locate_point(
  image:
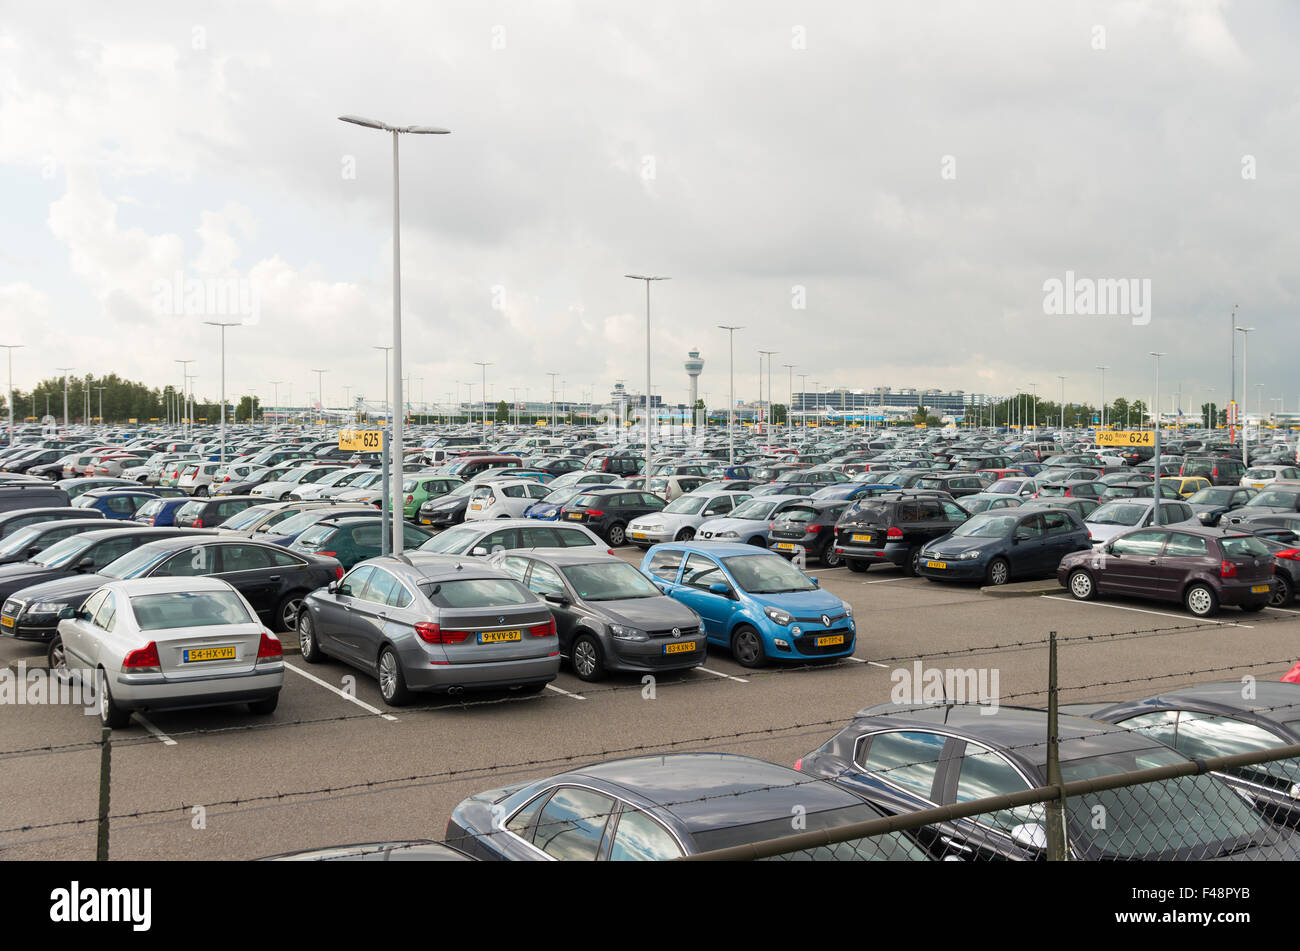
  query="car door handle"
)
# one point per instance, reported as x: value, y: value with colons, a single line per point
x: 1151, y: 561
x: 273, y: 578
x: 953, y: 843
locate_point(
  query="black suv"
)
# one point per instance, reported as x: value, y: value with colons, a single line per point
x: 809, y: 529
x: 1220, y: 470
x: 607, y: 511
x: 955, y: 484
x: 893, y: 528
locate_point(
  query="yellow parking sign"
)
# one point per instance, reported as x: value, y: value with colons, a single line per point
x: 361, y: 440
x: 1132, y: 437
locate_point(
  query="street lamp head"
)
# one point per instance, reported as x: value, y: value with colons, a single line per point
x: 646, y: 277
x: 361, y: 120
x: 409, y: 129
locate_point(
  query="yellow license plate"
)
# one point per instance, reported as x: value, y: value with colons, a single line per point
x: 936, y: 564
x: 830, y: 640
x: 785, y: 546
x: 576, y: 516
x: 861, y: 538
x: 6, y: 621
x: 426, y: 521
x: 683, y: 648
x: 207, y: 653
x: 498, y: 637
x: 638, y: 534
x: 1259, y: 589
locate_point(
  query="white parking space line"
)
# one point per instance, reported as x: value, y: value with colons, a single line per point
x: 344, y: 694
x: 856, y: 660
x: 718, y: 673
x: 158, y: 734
x: 875, y: 664
x: 1121, y: 607
x: 1284, y: 610
x: 575, y: 696
x: 887, y: 580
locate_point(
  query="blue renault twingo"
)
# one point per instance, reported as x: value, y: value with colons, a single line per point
x: 753, y: 601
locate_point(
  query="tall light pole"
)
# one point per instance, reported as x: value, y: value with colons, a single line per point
x: 397, y: 306
x: 1245, y: 446
x: 100, y: 390
x: 1034, y: 388
x: 731, y: 399
x: 66, y: 371
x: 552, y: 375
x: 1232, y: 385
x: 767, y: 417
x: 1102, y: 409
x: 803, y: 400
x: 648, y: 398
x: 514, y: 398
x: 11, y: 347
x: 1156, y: 419
x: 223, y: 325
x: 320, y: 388
x: 789, y: 367
x: 1062, y: 379
x: 484, y: 367
x: 385, y: 503
x: 185, y: 369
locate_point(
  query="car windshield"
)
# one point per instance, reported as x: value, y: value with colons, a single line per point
x: 986, y: 525
x: 477, y: 593
x: 609, y: 581
x: 184, y: 609
x: 1147, y: 821
x: 755, y: 509
x: 23, y: 538
x: 1277, y: 497
x: 1119, y: 513
x: 767, y: 574
x: 1005, y: 486
x: 453, y: 541
x: 685, y: 505
x: 461, y: 491
x: 62, y: 552
x: 1213, y: 496
x: 134, y: 563
x: 895, y: 846
x: 245, y: 518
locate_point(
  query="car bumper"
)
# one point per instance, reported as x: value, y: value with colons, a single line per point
x: 893, y: 553
x: 421, y: 675
x: 641, y: 656
x: 437, y: 519
x: 645, y: 537
x: 781, y: 643
x: 156, y: 692
x: 953, y: 570
x: 1235, y: 595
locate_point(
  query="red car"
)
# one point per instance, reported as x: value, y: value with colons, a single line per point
x: 1292, y: 675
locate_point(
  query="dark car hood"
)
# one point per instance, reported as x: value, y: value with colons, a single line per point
x: 64, y: 589
x: 648, y: 614
x: 18, y: 576
x: 953, y: 545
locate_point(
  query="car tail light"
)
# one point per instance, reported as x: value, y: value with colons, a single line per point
x: 198, y: 522
x: 798, y: 764
x: 226, y: 479
x: 431, y: 633
x: 329, y: 554
x: 1228, y: 569
x: 894, y: 532
x: 595, y: 513
x: 543, y: 630
x: 1214, y: 473
x: 143, y: 661
x: 771, y: 526
x: 410, y: 498
x: 814, y: 528
x: 1291, y: 554
x: 270, y: 647
x: 338, y: 573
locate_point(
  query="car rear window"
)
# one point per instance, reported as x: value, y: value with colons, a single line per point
x: 477, y: 593
x: 165, y: 612
x: 1243, y: 546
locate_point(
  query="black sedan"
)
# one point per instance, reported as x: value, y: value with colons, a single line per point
x: 447, y: 509
x: 11, y: 522
x: 608, y: 615
x: 907, y: 758
x: 657, y: 808
x: 995, y: 547
x: 1211, y: 720
x: 274, y: 580
x: 809, y: 531
x: 26, y: 543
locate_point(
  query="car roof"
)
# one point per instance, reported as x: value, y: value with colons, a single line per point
x: 707, y: 791
x: 717, y: 549
x: 559, y: 557
x: 130, y: 586
x: 427, y: 566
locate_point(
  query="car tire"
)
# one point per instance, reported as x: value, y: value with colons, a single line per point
x: 747, y: 647
x: 201, y: 491
x: 617, y: 536
x: 287, y: 611
x: 912, y: 563
x: 828, y: 557
x: 263, y: 708
x: 856, y: 565
x: 56, y: 660
x: 685, y: 535
x: 999, y: 572
x: 307, y: 642
x: 1283, y: 592
x: 110, y: 714
x: 392, y: 682
x: 1200, y: 600
x: 1082, y: 585
x: 585, y: 657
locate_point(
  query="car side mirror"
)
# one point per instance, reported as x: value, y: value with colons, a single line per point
x: 85, y: 564
x: 67, y: 614
x: 479, y: 550
x: 332, y: 587
x: 719, y: 588
x: 1031, y: 835
x: 555, y: 598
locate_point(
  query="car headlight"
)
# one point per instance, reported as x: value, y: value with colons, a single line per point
x: 848, y: 609
x: 628, y: 633
x: 726, y: 534
x: 779, y: 616
x: 45, y: 607
x: 970, y: 555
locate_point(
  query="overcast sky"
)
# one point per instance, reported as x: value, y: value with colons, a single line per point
x: 877, y: 191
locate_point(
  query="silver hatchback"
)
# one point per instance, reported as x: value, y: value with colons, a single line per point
x: 432, y: 623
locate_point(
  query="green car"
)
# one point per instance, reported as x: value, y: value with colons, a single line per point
x: 417, y: 490
x: 352, y: 539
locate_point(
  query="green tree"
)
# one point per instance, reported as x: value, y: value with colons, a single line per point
x: 247, y: 409
x: 779, y: 414
x: 503, y: 411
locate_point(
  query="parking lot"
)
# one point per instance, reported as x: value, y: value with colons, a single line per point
x: 334, y: 765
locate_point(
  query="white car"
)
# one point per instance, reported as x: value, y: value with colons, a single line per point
x: 680, y: 518
x: 506, y: 498
x: 169, y: 643
x: 290, y: 482
x: 335, y: 480
x: 1259, y: 477
x: 1110, y: 519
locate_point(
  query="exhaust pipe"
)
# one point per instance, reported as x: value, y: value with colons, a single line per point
x: 455, y: 691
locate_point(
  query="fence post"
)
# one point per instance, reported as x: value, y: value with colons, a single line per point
x: 105, y: 773
x: 1056, y: 845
